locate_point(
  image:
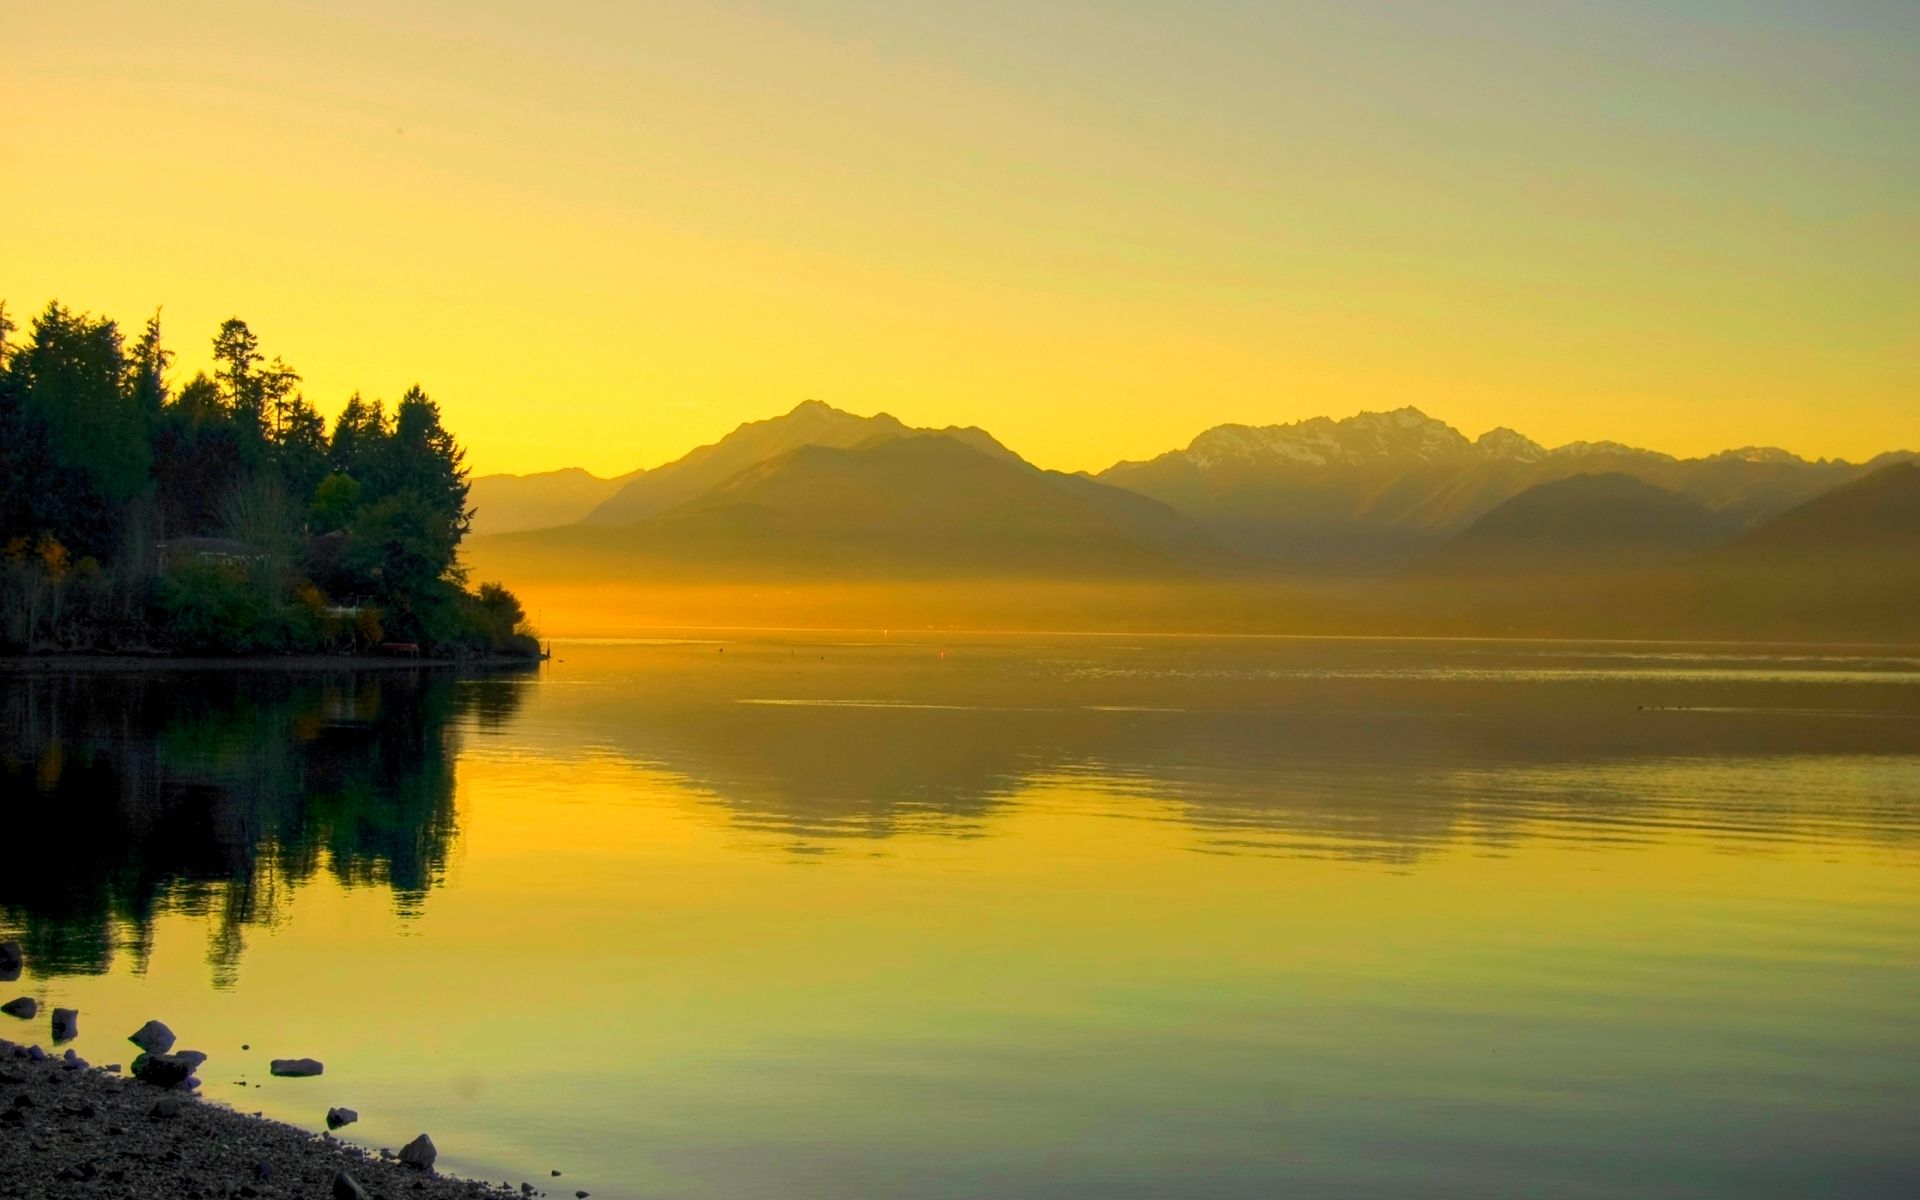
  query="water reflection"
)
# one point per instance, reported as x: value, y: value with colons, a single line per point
x: 1377, y: 752
x: 218, y: 794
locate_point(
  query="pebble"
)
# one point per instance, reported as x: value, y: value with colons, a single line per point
x: 66, y: 1024
x: 297, y: 1068
x: 336, y: 1117
x: 25, y: 1007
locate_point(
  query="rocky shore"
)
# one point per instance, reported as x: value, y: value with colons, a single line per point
x: 71, y: 1130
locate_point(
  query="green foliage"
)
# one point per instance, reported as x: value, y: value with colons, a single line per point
x: 83, y: 442
x: 103, y: 466
x: 496, y: 616
x: 335, y: 499
x: 217, y: 608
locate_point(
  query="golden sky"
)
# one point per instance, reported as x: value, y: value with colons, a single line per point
x: 601, y: 233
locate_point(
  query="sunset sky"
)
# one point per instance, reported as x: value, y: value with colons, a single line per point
x: 602, y: 233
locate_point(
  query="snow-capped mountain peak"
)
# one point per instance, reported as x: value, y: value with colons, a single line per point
x: 1403, y: 434
x: 1758, y: 454
x: 1502, y: 442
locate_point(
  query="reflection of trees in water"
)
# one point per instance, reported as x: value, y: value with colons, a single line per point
x: 218, y: 795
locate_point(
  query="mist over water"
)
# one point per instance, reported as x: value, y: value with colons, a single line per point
x: 872, y: 915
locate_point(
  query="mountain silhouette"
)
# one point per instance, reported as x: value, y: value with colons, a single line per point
x: 923, y: 503
x: 508, y: 503
x: 820, y: 516
x: 1877, y: 515
x: 1379, y: 489
x: 810, y: 423
x: 1586, y: 522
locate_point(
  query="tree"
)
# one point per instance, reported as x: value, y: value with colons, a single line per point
x: 277, y: 396
x: 237, y: 352
x: 428, y: 463
x: 198, y: 457
x: 147, y: 364
x: 93, y: 442
x: 360, y: 433
x: 302, y: 449
x: 334, y: 501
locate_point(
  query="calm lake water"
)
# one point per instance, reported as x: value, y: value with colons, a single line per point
x: 1014, y: 917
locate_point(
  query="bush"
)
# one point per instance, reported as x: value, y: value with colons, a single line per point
x: 216, y: 608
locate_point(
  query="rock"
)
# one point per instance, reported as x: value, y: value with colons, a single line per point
x: 262, y: 1171
x: 336, y: 1117
x: 579, y: 1196
x: 164, y: 1070
x: 24, y: 1008
x: 556, y: 1174
x: 153, y: 1037
x: 165, y: 1108
x: 36, y: 1054
x: 66, y: 1024
x: 419, y: 1153
x: 73, y: 1062
x: 346, y: 1187
x: 296, y: 1068
x: 11, y: 961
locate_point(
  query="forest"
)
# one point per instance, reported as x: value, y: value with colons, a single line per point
x: 223, y: 517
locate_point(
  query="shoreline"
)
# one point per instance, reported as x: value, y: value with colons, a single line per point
x: 68, y: 1129
x: 32, y: 664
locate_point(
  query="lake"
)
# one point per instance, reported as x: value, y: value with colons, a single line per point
x: 728, y: 916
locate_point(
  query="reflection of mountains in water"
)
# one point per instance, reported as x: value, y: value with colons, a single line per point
x: 1378, y: 759
x: 218, y: 794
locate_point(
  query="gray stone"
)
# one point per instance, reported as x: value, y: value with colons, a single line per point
x: 164, y: 1070
x: 296, y: 1068
x: 36, y: 1054
x: 25, y: 1007
x: 66, y: 1024
x: 11, y: 961
x: 165, y: 1108
x: 336, y: 1117
x: 419, y: 1153
x: 153, y: 1037
x: 346, y: 1187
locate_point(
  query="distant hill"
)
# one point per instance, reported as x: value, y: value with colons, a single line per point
x: 810, y: 423
x: 1845, y: 564
x: 1876, y: 515
x: 1600, y: 522
x: 508, y: 503
x: 1385, y: 488
x: 916, y: 503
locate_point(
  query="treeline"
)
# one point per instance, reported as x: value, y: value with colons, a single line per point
x: 223, y: 516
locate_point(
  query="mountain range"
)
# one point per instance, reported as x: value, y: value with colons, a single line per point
x: 1440, y: 521
x: 1379, y: 490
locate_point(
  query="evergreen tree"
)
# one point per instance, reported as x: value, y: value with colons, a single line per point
x: 67, y: 382
x: 147, y: 364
